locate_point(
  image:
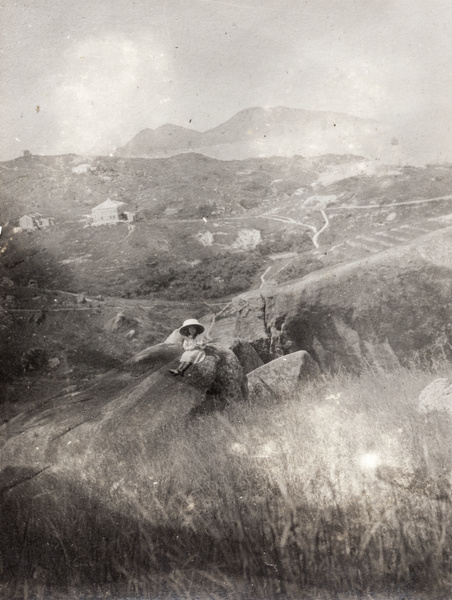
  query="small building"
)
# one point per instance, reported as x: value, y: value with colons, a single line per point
x: 46, y: 222
x: 107, y: 212
x: 28, y: 221
x: 35, y: 221
x: 129, y: 216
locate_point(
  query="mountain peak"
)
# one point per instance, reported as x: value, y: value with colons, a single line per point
x: 169, y: 128
x: 166, y: 140
x: 269, y: 131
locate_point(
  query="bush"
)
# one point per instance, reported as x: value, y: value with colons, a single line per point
x: 211, y: 277
x: 298, y: 269
x: 285, y: 241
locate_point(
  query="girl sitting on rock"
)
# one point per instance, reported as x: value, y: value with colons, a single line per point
x: 193, y: 347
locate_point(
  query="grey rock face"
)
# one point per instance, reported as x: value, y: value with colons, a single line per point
x: 390, y: 309
x: 120, y: 323
x: 437, y: 396
x: 122, y: 414
x: 247, y: 355
x: 435, y: 407
x: 285, y: 374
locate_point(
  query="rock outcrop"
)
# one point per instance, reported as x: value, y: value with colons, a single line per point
x: 435, y: 409
x: 247, y: 355
x: 103, y: 428
x: 87, y: 452
x: 120, y: 323
x: 436, y: 397
x: 285, y: 374
x: 389, y: 309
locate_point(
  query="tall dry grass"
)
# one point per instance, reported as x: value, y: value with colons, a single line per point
x: 342, y: 487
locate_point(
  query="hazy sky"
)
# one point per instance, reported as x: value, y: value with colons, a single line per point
x: 85, y: 76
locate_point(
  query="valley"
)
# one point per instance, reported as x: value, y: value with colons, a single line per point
x: 324, y: 286
x: 226, y: 300
x: 204, y: 230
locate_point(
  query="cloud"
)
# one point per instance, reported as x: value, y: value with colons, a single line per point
x: 106, y: 80
x: 100, y: 75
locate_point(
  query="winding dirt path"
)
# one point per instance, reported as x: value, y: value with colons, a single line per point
x: 325, y: 226
x: 313, y: 228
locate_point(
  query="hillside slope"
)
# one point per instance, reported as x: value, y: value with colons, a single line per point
x: 119, y: 484
x: 205, y: 231
x: 191, y: 208
x: 393, y: 308
x: 272, y: 131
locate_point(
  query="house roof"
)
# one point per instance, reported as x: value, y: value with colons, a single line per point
x: 109, y: 204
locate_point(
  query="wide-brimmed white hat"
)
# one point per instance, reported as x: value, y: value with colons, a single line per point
x: 191, y: 323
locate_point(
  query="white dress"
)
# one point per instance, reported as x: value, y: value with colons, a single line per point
x: 193, y: 351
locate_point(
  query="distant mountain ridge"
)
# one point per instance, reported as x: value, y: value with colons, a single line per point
x: 164, y: 138
x: 260, y: 132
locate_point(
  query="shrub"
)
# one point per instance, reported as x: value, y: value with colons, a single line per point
x: 212, y: 276
x: 285, y: 241
x: 299, y: 268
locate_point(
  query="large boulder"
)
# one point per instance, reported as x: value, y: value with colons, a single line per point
x: 284, y: 375
x: 81, y: 470
x: 96, y: 433
x: 120, y: 323
x: 436, y: 397
x: 385, y: 310
x: 152, y: 358
x: 435, y: 407
x: 247, y: 355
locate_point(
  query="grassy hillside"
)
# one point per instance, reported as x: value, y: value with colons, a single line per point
x: 205, y: 230
x: 339, y: 490
x: 184, y: 183
x: 165, y: 193
x: 52, y: 339
x: 192, y: 209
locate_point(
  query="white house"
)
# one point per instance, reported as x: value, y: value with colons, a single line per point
x: 107, y: 212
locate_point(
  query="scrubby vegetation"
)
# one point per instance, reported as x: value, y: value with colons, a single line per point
x: 285, y: 241
x: 298, y: 268
x: 212, y: 276
x: 342, y: 488
x: 218, y: 275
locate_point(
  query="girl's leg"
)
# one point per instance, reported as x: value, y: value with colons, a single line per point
x: 176, y: 371
x: 183, y: 367
x: 180, y: 369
